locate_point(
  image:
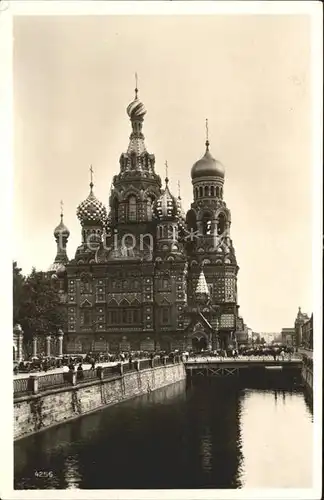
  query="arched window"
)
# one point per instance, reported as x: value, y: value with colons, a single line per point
x: 196, y: 193
x: 191, y: 220
x: 201, y: 192
x: 206, y: 190
x: 132, y: 208
x: 221, y: 192
x: 221, y: 224
x: 149, y: 208
x: 212, y: 191
x: 217, y: 192
x: 207, y: 224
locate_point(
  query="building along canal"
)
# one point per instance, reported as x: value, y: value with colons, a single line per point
x: 206, y: 432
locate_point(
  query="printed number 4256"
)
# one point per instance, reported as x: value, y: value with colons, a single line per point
x: 43, y: 473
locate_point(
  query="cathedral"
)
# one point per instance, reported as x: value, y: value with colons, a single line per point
x: 146, y: 275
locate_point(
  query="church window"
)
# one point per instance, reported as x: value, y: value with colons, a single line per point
x: 132, y: 208
x: 165, y: 283
x: 125, y: 284
x: 207, y: 224
x: 201, y: 192
x: 212, y: 191
x: 124, y: 316
x: 206, y: 190
x: 221, y: 224
x: 136, y: 284
x: 137, y: 316
x: 217, y: 192
x: 221, y: 192
x: 149, y: 208
x: 165, y: 315
x: 87, y: 318
x: 85, y: 287
x: 196, y: 193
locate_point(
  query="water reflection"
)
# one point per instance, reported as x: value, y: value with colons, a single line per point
x: 212, y: 434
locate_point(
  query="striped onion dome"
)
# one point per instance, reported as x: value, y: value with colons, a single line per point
x: 136, y: 110
x: 167, y: 206
x: 91, y: 210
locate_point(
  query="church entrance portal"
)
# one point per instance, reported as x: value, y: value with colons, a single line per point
x: 199, y: 343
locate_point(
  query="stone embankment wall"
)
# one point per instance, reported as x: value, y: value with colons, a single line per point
x: 307, y: 373
x: 34, y: 413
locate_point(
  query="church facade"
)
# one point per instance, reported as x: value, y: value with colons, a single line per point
x: 147, y: 275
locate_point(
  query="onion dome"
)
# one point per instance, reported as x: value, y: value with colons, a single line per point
x: 167, y: 205
x: 91, y: 210
x: 61, y: 230
x: 207, y: 166
x: 136, y: 109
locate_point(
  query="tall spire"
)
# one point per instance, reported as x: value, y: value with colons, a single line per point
x: 207, y: 136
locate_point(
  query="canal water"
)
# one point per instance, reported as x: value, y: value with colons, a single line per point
x: 208, y: 433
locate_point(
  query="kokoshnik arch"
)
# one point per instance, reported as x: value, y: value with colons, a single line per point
x: 147, y: 275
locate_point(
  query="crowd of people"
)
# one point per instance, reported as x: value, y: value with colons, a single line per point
x: 42, y: 363
x: 270, y: 351
x: 77, y: 361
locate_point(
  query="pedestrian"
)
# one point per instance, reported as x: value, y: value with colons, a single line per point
x: 80, y: 374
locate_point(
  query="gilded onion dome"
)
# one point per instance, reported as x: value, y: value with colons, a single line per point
x: 207, y: 166
x: 167, y: 206
x: 91, y: 210
x: 61, y: 229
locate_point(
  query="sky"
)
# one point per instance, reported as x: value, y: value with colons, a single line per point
x: 249, y: 75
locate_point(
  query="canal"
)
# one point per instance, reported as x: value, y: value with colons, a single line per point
x: 208, y: 433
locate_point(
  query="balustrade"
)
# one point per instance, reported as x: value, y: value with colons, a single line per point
x: 35, y: 384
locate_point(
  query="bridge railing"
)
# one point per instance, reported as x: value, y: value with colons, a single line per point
x: 35, y: 384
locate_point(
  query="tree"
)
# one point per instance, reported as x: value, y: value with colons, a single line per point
x: 40, y: 311
x: 18, y: 281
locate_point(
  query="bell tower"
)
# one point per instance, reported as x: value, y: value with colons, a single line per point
x: 209, y: 220
x: 137, y: 186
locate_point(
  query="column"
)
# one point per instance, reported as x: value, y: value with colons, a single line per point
x: 34, y: 346
x: 60, y: 343
x: 48, y: 346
